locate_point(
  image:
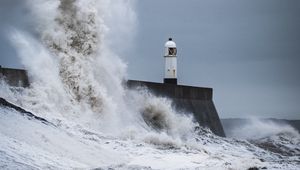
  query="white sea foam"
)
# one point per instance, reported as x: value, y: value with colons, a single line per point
x: 259, y: 128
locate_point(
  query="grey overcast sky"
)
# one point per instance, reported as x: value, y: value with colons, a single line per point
x: 248, y: 51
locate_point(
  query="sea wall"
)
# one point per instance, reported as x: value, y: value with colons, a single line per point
x: 189, y: 99
x: 14, y: 77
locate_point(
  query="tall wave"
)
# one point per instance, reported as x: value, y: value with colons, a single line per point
x: 77, y: 75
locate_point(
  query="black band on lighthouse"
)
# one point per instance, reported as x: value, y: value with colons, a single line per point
x: 170, y: 81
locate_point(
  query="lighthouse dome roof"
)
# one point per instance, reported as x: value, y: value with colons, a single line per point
x: 170, y: 43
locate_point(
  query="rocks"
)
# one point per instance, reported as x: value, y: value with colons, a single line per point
x: 4, y: 103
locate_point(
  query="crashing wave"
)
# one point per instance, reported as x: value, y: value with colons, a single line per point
x: 77, y: 85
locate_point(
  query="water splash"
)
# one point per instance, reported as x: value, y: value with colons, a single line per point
x: 76, y: 75
x: 258, y: 128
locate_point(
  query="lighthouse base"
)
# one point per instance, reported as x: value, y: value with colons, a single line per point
x: 170, y: 81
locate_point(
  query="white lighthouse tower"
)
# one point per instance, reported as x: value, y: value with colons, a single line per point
x: 170, y: 62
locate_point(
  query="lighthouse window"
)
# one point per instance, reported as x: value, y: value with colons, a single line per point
x: 172, y: 51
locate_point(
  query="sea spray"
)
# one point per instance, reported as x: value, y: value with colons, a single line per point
x: 76, y: 76
x: 260, y: 128
x: 277, y: 137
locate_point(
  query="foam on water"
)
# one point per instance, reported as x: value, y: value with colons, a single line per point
x: 257, y: 129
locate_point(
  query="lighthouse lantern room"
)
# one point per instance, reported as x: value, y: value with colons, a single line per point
x: 170, y: 62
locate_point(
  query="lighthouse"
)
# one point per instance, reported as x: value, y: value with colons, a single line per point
x: 170, y: 62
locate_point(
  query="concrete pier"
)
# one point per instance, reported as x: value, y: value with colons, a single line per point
x: 189, y: 99
x: 195, y: 100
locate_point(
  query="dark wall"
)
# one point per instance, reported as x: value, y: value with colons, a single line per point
x: 14, y: 77
x: 196, y: 100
